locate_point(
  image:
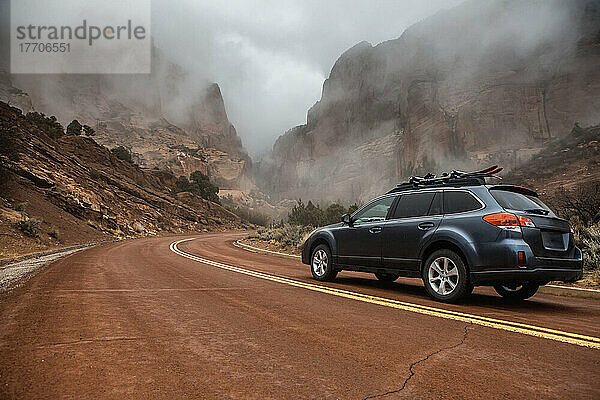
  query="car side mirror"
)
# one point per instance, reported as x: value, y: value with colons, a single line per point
x: 346, y: 219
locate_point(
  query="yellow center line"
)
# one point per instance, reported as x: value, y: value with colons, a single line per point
x: 532, y: 330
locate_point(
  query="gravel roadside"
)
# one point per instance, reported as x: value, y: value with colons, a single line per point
x: 16, y: 273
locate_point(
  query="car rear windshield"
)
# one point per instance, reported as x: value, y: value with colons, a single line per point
x: 517, y: 201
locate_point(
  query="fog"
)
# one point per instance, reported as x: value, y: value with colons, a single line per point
x: 270, y: 57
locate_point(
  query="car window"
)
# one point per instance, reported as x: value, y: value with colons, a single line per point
x: 517, y: 201
x: 458, y: 201
x: 413, y: 205
x: 376, y: 211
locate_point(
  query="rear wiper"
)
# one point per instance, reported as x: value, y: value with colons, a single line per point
x: 538, y: 211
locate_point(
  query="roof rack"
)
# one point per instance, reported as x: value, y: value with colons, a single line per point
x: 454, y: 178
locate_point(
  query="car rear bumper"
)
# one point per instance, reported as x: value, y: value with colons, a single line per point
x: 541, y: 270
x: 539, y: 275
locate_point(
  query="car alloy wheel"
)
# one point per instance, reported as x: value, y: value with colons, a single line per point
x: 443, y: 276
x: 319, y: 262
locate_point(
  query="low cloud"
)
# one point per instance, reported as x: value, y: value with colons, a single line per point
x: 270, y: 57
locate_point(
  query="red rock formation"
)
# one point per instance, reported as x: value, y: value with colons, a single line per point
x: 153, y: 115
x: 485, y: 82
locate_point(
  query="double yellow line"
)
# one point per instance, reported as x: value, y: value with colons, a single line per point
x: 532, y: 330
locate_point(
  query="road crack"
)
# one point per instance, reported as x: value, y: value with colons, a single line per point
x: 413, y: 364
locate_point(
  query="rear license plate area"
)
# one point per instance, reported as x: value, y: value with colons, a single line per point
x: 553, y: 240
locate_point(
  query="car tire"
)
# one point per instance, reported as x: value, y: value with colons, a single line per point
x: 445, y: 276
x: 517, y: 292
x: 321, y: 264
x: 386, y: 277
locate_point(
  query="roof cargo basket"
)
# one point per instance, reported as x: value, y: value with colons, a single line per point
x: 454, y: 178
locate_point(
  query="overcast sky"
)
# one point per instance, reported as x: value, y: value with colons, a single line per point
x: 270, y: 57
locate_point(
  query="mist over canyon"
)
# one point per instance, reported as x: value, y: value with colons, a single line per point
x: 482, y: 83
x: 477, y: 84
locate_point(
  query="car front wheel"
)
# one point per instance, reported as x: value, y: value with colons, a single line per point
x: 321, y: 264
x: 517, y: 291
x: 445, y: 276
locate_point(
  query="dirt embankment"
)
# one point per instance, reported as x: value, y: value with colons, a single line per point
x: 60, y: 190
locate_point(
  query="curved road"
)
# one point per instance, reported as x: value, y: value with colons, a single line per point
x: 205, y: 319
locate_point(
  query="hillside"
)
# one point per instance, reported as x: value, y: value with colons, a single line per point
x: 167, y: 119
x: 568, y: 163
x: 80, y: 192
x: 483, y: 83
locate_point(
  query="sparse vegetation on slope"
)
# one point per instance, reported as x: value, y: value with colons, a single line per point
x: 566, y: 174
x: 72, y: 185
x: 302, y: 219
x: 199, y: 184
x: 286, y: 238
x: 122, y: 153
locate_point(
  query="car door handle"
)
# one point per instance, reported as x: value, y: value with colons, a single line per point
x: 375, y: 229
x: 426, y: 225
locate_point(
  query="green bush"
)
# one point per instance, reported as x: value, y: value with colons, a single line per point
x: 49, y: 125
x: 122, y: 153
x: 313, y: 215
x: 198, y: 184
x: 74, y: 128
x: 29, y: 226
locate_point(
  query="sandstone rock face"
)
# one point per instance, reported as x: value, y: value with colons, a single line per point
x: 158, y: 117
x: 485, y: 82
x: 74, y: 179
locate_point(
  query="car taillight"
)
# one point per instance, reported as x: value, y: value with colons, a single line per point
x: 524, y: 221
x: 503, y: 220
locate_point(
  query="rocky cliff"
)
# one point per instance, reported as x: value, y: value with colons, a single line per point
x: 80, y: 192
x: 167, y: 119
x: 485, y: 82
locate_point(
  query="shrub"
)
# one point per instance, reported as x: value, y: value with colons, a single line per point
x: 49, y: 125
x: 198, y: 184
x: 208, y: 190
x: 74, y: 128
x: 577, y: 204
x: 286, y: 236
x: 122, y: 153
x: 20, y: 206
x: 313, y: 215
x: 29, y: 226
x: 588, y: 239
x: 53, y: 233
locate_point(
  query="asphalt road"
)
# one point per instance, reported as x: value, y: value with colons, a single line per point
x: 205, y: 319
